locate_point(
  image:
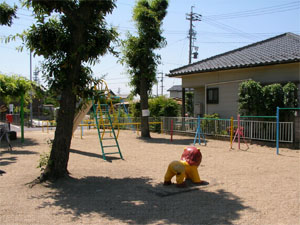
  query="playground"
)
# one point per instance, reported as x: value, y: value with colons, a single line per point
x: 255, y: 186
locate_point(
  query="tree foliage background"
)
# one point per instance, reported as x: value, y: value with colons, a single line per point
x: 12, y: 87
x: 7, y: 14
x: 159, y: 107
x: 256, y: 100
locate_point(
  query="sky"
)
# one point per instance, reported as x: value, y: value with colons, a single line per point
x: 225, y: 25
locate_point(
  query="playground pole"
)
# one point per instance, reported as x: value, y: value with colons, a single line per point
x: 277, y: 130
x: 22, y: 117
x: 171, y: 130
x: 231, y: 131
x: 81, y: 134
x: 239, y: 135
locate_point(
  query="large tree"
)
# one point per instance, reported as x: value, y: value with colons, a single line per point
x: 70, y: 35
x: 139, y: 53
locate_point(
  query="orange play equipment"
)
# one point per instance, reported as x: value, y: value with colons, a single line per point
x: 186, y: 168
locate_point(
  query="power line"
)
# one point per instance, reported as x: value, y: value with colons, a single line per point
x: 260, y: 11
x: 229, y: 28
x: 225, y: 42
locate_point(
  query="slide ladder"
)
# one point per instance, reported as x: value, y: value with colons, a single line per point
x: 104, y: 118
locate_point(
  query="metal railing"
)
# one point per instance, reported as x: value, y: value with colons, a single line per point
x: 255, y: 130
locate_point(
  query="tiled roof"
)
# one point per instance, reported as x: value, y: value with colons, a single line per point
x: 284, y: 48
x: 175, y: 88
x: 178, y: 88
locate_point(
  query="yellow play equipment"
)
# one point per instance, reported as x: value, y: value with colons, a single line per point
x: 104, y: 116
x: 186, y: 168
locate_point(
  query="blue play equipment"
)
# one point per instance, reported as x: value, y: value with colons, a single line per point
x: 199, y: 133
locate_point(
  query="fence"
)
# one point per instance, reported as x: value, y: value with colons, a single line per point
x: 255, y: 130
x: 17, y: 118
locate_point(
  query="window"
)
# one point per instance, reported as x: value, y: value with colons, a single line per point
x: 212, y: 96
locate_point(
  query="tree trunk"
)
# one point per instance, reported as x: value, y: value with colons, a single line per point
x: 59, y: 157
x: 145, y: 132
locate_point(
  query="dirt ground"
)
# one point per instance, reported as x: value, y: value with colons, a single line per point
x: 246, y: 187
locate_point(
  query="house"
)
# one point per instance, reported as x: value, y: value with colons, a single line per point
x: 176, y: 91
x: 216, y: 79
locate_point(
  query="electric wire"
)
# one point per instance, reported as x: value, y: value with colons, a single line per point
x: 260, y: 11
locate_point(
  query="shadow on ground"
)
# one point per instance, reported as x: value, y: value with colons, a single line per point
x: 90, y: 154
x: 12, y: 158
x: 135, y: 200
x: 8, y: 157
x: 17, y: 143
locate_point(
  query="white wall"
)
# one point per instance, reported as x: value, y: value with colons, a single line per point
x: 199, y: 101
x: 228, y: 100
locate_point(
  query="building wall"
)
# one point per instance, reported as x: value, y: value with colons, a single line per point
x: 228, y: 100
x: 263, y: 74
x: 228, y: 83
x: 199, y: 101
x: 297, y: 121
x: 175, y: 94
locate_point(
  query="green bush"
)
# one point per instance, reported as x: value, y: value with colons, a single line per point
x: 162, y: 106
x: 273, y: 96
x: 209, y: 122
x: 189, y: 103
x: 250, y: 98
x: 290, y: 95
x: 158, y: 107
x: 255, y: 100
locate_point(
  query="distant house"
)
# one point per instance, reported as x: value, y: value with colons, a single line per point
x: 176, y: 91
x: 216, y: 79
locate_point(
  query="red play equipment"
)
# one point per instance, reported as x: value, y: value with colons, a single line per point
x: 9, y: 118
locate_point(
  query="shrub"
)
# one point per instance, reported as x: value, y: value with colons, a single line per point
x: 162, y: 106
x: 250, y: 98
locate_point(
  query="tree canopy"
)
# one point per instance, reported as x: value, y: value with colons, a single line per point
x: 70, y: 35
x: 7, y: 14
x: 12, y: 87
x: 138, y: 51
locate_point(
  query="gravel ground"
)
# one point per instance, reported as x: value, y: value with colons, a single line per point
x: 246, y: 187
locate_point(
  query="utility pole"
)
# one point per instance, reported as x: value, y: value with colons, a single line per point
x: 162, y: 83
x: 36, y: 75
x: 31, y: 90
x: 192, y: 34
x: 192, y: 37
